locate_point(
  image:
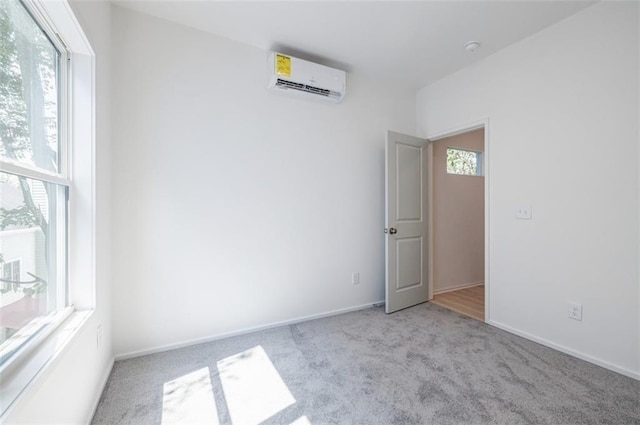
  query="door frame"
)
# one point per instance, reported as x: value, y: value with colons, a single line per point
x: 433, y: 137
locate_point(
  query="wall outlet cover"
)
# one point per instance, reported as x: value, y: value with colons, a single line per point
x: 523, y: 212
x: 575, y: 311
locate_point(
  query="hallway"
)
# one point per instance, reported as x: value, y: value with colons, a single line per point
x: 467, y: 301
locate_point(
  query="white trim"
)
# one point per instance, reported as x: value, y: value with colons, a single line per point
x: 430, y: 224
x: 42, y: 357
x: 461, y: 129
x: 82, y: 198
x: 32, y: 173
x: 458, y: 287
x: 61, y: 13
x: 26, y: 340
x: 569, y: 351
x: 475, y: 125
x: 244, y: 331
x: 487, y: 225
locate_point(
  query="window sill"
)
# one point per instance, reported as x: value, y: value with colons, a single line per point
x: 24, y: 373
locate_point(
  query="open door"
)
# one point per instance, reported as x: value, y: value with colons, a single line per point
x: 406, y: 214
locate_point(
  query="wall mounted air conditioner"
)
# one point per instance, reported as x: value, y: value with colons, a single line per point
x: 303, y: 78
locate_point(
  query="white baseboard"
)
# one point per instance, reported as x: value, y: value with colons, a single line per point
x: 183, y: 344
x: 566, y: 350
x: 457, y: 287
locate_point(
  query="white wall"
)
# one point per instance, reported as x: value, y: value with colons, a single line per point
x: 563, y: 112
x: 237, y: 207
x: 68, y: 391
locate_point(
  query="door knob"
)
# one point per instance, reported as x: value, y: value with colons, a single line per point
x: 393, y: 231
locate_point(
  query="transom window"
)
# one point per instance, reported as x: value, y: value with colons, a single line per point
x: 34, y: 181
x: 464, y: 162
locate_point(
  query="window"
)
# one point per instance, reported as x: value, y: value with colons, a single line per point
x: 34, y: 183
x: 464, y: 162
x: 47, y: 220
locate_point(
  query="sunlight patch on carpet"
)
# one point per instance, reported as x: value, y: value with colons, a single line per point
x: 189, y: 400
x: 253, y: 388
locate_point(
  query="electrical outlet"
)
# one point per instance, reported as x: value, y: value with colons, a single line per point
x: 523, y: 212
x: 575, y: 311
x: 99, y: 336
x: 355, y: 278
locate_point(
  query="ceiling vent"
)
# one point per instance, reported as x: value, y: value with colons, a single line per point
x: 307, y: 79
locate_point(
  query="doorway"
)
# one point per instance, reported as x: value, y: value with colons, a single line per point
x: 458, y: 222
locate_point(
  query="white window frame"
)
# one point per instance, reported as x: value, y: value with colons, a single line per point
x: 40, y: 327
x: 77, y: 163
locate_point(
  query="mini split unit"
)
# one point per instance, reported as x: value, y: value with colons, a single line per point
x: 307, y: 79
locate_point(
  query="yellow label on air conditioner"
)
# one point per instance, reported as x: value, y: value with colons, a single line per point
x: 283, y: 65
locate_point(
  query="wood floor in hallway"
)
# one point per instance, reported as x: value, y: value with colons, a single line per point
x: 467, y: 301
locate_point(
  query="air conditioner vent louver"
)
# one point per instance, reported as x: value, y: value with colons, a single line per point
x: 306, y: 88
x: 289, y: 84
x: 304, y: 78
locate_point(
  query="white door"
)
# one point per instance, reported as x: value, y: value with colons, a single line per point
x: 407, y: 274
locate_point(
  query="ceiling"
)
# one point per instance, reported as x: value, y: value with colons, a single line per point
x: 412, y: 43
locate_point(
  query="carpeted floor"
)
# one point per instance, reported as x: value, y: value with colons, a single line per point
x: 423, y: 365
